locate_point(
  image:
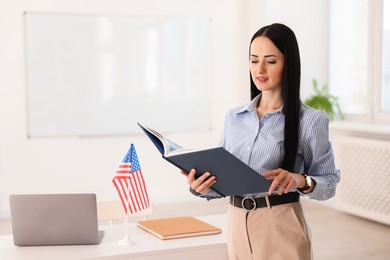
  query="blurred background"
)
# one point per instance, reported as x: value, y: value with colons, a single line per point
x: 77, y: 75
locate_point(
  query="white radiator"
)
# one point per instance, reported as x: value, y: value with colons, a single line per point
x: 364, y: 189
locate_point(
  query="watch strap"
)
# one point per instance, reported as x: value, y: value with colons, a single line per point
x: 306, y: 187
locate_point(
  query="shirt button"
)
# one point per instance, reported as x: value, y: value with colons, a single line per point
x: 248, y: 149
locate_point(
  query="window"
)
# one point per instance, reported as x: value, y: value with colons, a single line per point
x: 385, y: 88
x: 359, y: 58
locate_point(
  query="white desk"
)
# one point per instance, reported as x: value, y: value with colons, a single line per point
x: 147, y: 247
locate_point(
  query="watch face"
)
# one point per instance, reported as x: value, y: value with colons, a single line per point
x: 308, y: 181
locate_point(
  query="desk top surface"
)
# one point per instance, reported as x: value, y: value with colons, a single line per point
x: 145, y: 243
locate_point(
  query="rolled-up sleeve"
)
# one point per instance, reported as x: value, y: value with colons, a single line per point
x: 319, y: 159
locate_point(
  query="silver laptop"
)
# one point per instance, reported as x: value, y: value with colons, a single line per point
x: 54, y: 219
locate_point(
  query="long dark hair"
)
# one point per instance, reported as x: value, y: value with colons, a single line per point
x: 284, y: 39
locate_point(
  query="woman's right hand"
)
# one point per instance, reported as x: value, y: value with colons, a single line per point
x: 201, y: 184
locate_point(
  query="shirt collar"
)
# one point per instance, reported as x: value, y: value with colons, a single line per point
x: 252, y: 106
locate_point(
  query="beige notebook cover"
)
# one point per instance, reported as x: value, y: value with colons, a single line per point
x: 178, y: 227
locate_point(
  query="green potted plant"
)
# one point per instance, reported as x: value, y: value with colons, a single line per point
x: 322, y: 100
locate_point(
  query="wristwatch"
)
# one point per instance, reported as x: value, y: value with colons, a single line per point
x: 308, y: 183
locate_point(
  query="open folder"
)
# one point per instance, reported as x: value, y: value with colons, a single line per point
x: 233, y: 176
x: 177, y: 227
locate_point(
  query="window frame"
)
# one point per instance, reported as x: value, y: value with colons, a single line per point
x: 376, y: 19
x: 373, y: 115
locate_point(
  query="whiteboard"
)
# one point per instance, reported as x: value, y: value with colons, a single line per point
x: 100, y: 74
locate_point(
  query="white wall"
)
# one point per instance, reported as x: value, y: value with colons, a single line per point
x: 72, y: 164
x: 308, y: 19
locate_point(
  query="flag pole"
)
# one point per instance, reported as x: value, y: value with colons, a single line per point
x: 126, y: 240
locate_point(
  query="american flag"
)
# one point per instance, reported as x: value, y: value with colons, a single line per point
x: 130, y: 183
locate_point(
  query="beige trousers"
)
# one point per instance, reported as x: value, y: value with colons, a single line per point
x: 269, y: 233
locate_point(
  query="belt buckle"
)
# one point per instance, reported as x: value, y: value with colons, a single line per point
x: 253, y: 201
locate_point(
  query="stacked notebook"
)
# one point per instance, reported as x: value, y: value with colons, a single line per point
x: 178, y: 227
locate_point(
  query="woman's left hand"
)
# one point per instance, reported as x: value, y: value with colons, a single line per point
x: 283, y: 180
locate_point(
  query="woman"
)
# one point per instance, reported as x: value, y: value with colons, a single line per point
x: 285, y: 141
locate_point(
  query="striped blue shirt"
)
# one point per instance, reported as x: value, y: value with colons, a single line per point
x: 259, y: 143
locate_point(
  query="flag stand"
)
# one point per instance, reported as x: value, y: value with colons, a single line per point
x: 126, y: 240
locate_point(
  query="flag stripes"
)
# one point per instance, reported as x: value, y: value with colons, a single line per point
x: 130, y: 183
